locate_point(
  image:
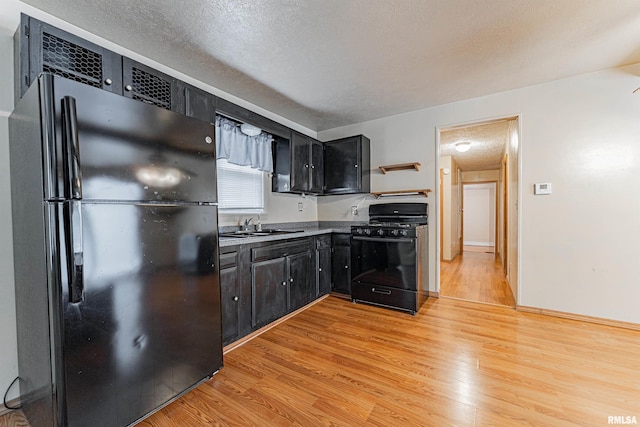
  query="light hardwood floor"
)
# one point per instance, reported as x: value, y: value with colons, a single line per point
x: 476, y: 276
x: 454, y: 364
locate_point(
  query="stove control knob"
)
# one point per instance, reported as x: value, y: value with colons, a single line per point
x: 381, y: 232
x: 367, y: 231
x: 394, y: 232
x: 403, y: 232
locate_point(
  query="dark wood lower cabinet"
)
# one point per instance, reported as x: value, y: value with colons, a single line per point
x: 302, y: 289
x: 341, y: 264
x: 230, y: 303
x: 261, y: 282
x: 269, y: 291
x: 323, y: 264
x: 235, y: 292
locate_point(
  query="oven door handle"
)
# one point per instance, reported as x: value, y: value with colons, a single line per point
x: 383, y: 239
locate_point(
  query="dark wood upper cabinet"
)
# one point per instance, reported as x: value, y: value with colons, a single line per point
x: 316, y: 186
x: 40, y: 47
x: 243, y: 115
x: 307, y: 164
x: 298, y: 165
x: 146, y: 84
x: 347, y: 165
x: 199, y: 104
x: 301, y: 163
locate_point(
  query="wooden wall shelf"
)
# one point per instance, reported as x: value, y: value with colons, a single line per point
x: 402, y: 166
x: 423, y: 192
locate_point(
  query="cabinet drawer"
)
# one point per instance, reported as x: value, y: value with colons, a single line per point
x: 228, y: 260
x: 279, y: 250
x: 342, y: 239
x: 385, y: 296
x: 323, y: 242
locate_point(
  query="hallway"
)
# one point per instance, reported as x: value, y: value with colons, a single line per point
x: 475, y: 276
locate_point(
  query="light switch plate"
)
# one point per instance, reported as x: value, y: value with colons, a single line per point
x: 542, y: 188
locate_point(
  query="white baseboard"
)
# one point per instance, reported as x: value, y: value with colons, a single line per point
x: 479, y: 243
x: 579, y: 317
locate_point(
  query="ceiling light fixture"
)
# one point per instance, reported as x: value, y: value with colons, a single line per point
x: 250, y: 130
x: 463, y: 146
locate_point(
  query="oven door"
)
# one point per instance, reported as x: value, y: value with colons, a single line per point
x: 384, y: 261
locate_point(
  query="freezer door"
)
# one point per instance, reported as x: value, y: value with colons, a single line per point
x: 147, y: 324
x: 101, y: 146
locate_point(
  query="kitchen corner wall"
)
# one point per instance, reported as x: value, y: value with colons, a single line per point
x: 281, y: 207
x: 582, y: 134
x: 8, y: 350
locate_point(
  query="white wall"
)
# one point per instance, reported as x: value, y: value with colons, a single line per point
x: 480, y: 176
x: 583, y: 135
x: 8, y: 351
x: 479, y: 214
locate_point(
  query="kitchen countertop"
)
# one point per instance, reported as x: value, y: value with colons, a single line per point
x: 306, y: 231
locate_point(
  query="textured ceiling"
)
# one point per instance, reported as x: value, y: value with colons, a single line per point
x: 488, y: 145
x: 327, y: 63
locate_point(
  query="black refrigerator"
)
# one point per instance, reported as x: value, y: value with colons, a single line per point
x: 115, y: 254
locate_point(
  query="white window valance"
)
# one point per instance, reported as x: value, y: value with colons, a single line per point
x: 240, y: 149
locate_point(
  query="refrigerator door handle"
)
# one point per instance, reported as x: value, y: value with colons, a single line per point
x: 71, y: 150
x: 75, y: 254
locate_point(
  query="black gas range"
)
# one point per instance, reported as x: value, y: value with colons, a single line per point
x: 389, y: 257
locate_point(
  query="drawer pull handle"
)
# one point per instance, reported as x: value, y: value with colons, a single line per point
x: 235, y: 298
x: 383, y: 292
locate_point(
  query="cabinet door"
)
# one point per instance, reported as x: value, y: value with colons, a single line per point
x: 199, y: 104
x: 317, y: 167
x: 145, y: 84
x: 269, y: 287
x: 341, y: 263
x: 324, y: 270
x: 52, y: 50
x: 341, y: 164
x: 302, y: 287
x: 341, y: 269
x: 347, y: 165
x: 300, y: 162
x: 229, y: 302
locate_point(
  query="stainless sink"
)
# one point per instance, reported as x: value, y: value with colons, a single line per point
x: 265, y: 232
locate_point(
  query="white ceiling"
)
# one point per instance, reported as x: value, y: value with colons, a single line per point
x: 327, y: 63
x: 488, y: 145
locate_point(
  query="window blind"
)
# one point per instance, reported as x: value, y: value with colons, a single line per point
x: 240, y: 188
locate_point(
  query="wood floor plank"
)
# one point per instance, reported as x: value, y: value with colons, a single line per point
x: 455, y: 363
x: 476, y: 276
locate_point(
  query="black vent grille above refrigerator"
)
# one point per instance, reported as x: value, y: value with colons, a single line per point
x: 71, y: 61
x: 151, y: 89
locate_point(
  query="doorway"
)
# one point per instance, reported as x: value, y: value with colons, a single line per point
x: 478, y: 235
x: 480, y: 217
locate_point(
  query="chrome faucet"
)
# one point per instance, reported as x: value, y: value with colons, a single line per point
x: 245, y: 226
